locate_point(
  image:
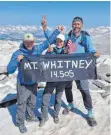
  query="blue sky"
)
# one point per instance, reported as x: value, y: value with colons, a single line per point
x: 93, y: 13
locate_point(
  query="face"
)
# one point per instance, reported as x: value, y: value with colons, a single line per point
x: 59, y: 43
x: 76, y: 26
x: 29, y: 44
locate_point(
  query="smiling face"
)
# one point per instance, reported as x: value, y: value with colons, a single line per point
x: 76, y: 26
x: 29, y: 44
x: 28, y: 41
x: 59, y: 43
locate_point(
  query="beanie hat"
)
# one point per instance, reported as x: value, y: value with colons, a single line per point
x: 79, y: 19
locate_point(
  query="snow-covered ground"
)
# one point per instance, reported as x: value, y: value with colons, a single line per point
x: 72, y: 124
x: 75, y: 123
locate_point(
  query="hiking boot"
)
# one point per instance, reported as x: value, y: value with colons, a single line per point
x: 91, y: 121
x: 69, y: 108
x: 42, y: 122
x: 22, y: 128
x: 65, y: 111
x: 56, y: 119
x: 32, y: 119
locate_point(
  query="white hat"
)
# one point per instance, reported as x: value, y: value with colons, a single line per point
x: 61, y: 36
x: 28, y: 36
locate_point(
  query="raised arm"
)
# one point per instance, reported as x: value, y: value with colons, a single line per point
x: 46, y: 31
x: 40, y: 48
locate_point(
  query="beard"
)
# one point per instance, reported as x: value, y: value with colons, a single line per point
x: 76, y: 30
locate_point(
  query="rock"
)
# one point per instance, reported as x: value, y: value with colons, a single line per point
x: 103, y: 77
x: 3, y: 69
x: 3, y: 78
x: 100, y: 84
x: 108, y: 74
x: 103, y: 68
x: 104, y: 86
x: 5, y: 89
x: 107, y: 93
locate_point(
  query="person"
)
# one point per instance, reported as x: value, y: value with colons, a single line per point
x: 50, y: 86
x: 83, y: 44
x: 27, y: 92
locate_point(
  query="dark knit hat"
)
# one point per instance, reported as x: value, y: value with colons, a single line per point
x: 78, y: 19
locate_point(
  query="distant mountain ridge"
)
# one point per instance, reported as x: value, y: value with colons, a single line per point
x: 100, y: 35
x: 11, y: 32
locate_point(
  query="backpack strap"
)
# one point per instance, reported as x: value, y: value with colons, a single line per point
x: 85, y: 33
x: 69, y: 34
